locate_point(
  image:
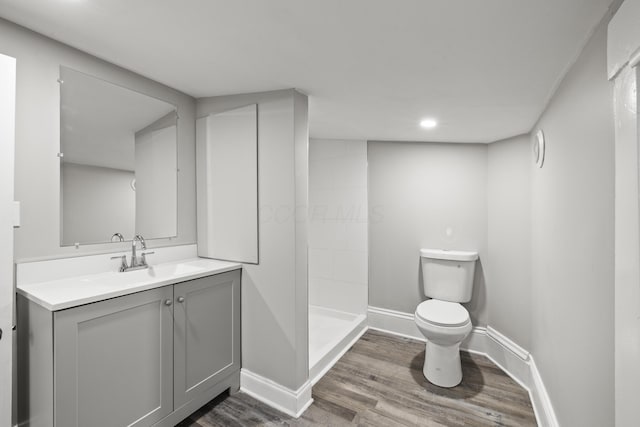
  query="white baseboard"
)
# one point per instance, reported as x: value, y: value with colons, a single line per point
x: 394, y: 322
x: 540, y: 399
x: 291, y: 402
x: 509, y: 356
x: 507, y: 343
x: 514, y: 360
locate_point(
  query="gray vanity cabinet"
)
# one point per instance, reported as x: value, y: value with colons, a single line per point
x: 113, y: 364
x: 206, y: 334
x: 145, y: 359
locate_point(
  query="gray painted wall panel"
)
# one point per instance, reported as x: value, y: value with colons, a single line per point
x: 274, y: 332
x: 301, y: 177
x: 573, y: 241
x: 416, y: 192
x: 508, y: 270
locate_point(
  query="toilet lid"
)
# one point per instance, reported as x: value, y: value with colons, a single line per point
x: 442, y: 313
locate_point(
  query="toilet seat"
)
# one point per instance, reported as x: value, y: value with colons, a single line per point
x: 442, y: 313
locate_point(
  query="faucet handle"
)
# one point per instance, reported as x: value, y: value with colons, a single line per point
x: 144, y: 258
x: 123, y: 263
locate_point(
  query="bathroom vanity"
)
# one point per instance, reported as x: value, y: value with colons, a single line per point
x: 140, y: 348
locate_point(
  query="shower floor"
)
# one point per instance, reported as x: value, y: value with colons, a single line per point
x: 331, y: 333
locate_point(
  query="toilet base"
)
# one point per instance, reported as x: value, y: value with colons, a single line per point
x: 442, y: 365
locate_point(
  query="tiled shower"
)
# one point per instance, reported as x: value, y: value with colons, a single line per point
x: 338, y: 256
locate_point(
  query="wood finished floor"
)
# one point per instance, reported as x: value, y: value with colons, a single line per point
x: 379, y: 382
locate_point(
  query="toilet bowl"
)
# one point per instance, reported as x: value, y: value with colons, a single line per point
x: 444, y: 325
x: 447, y: 278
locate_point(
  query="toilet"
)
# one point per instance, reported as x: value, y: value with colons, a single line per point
x: 447, y: 279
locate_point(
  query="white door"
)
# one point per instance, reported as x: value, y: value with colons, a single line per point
x: 7, y: 145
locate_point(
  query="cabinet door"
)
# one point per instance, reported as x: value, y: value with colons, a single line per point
x: 113, y: 361
x: 206, y: 334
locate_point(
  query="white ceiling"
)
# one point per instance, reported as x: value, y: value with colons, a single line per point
x: 372, y: 68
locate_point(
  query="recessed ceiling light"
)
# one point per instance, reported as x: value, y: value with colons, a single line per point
x: 428, y: 123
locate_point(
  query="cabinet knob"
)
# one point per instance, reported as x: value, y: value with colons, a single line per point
x: 168, y: 302
x: 180, y: 299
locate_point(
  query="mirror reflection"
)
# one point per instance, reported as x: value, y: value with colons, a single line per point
x: 118, y: 171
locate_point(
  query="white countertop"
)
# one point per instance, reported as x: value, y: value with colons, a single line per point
x: 78, y: 290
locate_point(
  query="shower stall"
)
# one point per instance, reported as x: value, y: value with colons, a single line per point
x: 338, y: 257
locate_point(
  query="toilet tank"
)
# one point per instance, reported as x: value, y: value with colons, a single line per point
x: 448, y: 275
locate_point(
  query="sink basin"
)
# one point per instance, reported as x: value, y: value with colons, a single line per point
x: 71, y: 292
x: 184, y: 267
x: 154, y: 273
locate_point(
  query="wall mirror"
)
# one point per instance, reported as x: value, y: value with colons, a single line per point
x: 118, y: 162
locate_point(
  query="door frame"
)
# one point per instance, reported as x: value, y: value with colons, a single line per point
x: 7, y: 294
x: 623, y: 57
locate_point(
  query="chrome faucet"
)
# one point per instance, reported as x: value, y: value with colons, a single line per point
x: 135, y: 264
x: 141, y: 239
x: 134, y: 258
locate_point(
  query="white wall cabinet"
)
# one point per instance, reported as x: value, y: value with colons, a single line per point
x: 227, y: 185
x: 145, y: 359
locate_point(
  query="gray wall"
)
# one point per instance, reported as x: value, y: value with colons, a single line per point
x: 274, y: 293
x: 416, y: 192
x: 572, y: 244
x: 508, y: 270
x: 37, y: 169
